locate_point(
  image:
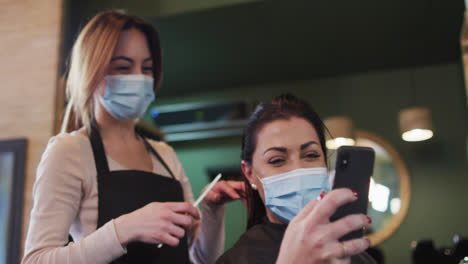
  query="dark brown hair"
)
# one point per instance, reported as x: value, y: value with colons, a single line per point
x: 282, y: 107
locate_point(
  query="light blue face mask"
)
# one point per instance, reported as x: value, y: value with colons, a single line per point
x: 127, y: 96
x: 287, y: 193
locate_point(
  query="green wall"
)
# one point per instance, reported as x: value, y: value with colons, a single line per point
x: 196, y: 157
x: 438, y: 168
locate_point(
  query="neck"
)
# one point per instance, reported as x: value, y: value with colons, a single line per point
x: 271, y: 217
x: 111, y: 128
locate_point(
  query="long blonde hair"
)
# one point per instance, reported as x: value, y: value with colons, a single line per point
x: 90, y: 57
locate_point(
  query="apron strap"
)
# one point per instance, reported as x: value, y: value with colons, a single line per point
x: 155, y: 153
x: 100, y: 158
x: 102, y: 166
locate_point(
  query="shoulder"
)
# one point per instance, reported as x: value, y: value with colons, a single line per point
x: 63, y: 162
x: 67, y: 144
x: 65, y: 152
x: 254, y: 246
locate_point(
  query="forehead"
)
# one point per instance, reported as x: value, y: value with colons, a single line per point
x: 132, y: 42
x: 290, y: 133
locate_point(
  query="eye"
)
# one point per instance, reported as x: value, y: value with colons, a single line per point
x: 122, y: 68
x: 312, y: 155
x: 147, y: 69
x: 276, y: 161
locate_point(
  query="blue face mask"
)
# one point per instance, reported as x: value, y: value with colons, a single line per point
x: 287, y: 193
x: 127, y: 96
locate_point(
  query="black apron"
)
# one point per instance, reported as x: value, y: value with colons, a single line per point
x: 124, y: 191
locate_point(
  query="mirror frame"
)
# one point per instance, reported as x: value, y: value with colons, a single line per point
x: 15, y: 209
x: 405, y: 188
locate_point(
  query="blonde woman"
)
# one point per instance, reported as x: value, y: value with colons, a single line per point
x: 116, y: 193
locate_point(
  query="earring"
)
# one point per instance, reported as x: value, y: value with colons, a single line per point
x: 254, y: 186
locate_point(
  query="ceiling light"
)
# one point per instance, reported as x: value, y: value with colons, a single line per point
x: 341, y: 132
x: 415, y: 124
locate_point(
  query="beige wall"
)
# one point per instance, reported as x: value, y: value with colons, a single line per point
x: 29, y: 48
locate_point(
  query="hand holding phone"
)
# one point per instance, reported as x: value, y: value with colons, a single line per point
x: 353, y: 169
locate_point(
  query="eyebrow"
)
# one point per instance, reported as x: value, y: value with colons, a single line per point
x: 284, y: 150
x: 305, y: 145
x: 121, y: 58
x: 129, y: 59
x: 280, y: 149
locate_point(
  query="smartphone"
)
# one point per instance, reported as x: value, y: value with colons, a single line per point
x: 353, y: 169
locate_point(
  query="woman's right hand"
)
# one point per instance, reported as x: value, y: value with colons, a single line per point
x: 156, y: 223
x: 312, y: 238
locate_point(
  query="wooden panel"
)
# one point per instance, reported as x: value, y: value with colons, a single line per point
x: 29, y: 39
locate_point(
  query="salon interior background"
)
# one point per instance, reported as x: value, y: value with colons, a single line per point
x: 356, y: 58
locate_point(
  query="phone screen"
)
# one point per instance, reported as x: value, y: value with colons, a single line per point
x: 353, y: 169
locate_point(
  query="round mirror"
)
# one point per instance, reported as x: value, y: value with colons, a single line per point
x: 389, y: 192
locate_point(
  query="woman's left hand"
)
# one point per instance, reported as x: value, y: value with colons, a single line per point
x: 226, y: 191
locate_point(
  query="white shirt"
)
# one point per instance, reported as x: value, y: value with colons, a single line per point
x: 65, y: 198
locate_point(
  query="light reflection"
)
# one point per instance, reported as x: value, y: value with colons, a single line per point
x: 395, y: 205
x: 339, y: 141
x: 378, y: 196
x: 417, y: 135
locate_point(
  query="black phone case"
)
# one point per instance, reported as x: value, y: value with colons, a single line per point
x: 353, y: 168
